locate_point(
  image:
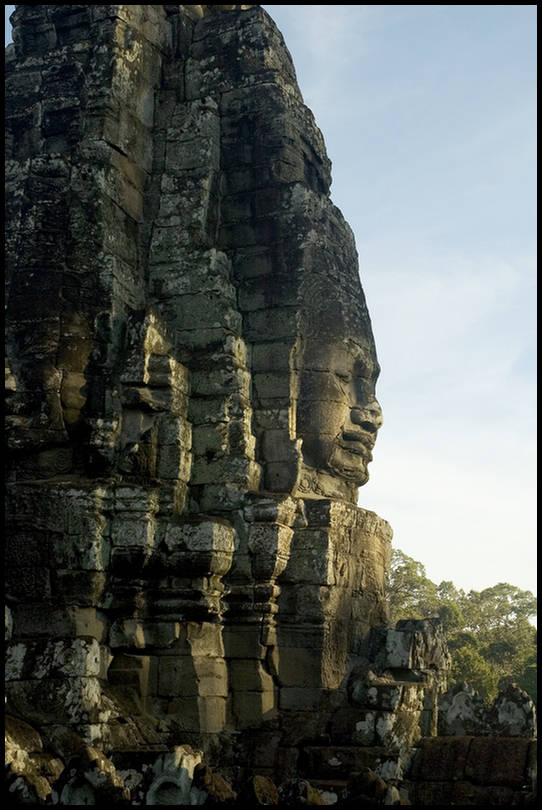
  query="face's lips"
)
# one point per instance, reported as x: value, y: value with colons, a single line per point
x: 359, y: 444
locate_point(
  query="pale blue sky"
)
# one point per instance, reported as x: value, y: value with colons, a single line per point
x: 429, y: 117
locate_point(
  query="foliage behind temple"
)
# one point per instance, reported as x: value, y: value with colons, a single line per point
x: 490, y: 636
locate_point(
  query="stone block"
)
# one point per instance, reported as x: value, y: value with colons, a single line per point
x: 301, y: 636
x: 300, y: 698
x: 328, y: 761
x: 250, y: 262
x: 209, y: 535
x: 226, y: 470
x: 136, y: 671
x: 397, y: 730
x: 212, y: 714
x: 127, y: 633
x: 513, y: 713
x: 173, y: 498
x: 272, y: 418
x: 28, y: 584
x: 139, y: 634
x: 81, y: 588
x: 130, y: 532
x: 138, y: 500
x: 188, y: 210
x: 271, y: 509
x: 342, y: 726
x: 69, y: 700
x: 183, y: 676
x: 206, y: 338
x: 213, y: 439
x: 265, y: 538
x: 127, y: 565
x: 441, y: 758
x: 193, y: 153
x: 204, y: 639
x: 281, y: 322
x: 222, y: 497
x: 243, y: 641
x: 383, y: 696
x: 308, y: 539
x: 265, y: 593
x: 277, y: 446
x: 208, y: 410
x: 304, y: 604
x: 8, y: 623
x: 249, y: 676
x: 497, y: 761
x: 271, y: 384
x: 365, y: 729
x: 184, y: 715
x: 241, y: 440
x: 462, y: 712
x: 173, y: 463
x: 175, y: 431
x: 212, y: 676
x: 33, y: 621
x: 54, y: 659
x: 240, y: 572
x: 166, y: 241
x: 180, y: 278
x: 236, y: 208
x: 439, y: 794
x: 193, y: 272
x: 251, y: 709
x: 177, y: 676
x: 219, y: 382
x: 299, y: 667
x: 281, y: 476
x: 399, y: 653
x: 241, y: 604
x: 311, y: 566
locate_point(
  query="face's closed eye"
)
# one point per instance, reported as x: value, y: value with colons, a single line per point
x: 344, y: 376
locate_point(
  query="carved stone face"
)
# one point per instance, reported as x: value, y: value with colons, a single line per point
x: 338, y: 415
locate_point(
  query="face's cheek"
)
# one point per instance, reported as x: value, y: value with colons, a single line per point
x: 319, y: 424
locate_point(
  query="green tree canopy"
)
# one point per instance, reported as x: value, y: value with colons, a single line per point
x: 490, y: 636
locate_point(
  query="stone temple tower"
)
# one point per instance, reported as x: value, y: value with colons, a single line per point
x: 190, y: 381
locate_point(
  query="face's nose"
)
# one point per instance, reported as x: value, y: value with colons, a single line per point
x: 368, y: 417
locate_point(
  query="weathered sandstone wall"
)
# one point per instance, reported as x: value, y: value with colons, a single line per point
x: 190, y: 376
x: 190, y: 384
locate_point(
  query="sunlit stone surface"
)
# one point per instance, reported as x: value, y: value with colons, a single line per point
x: 191, y: 408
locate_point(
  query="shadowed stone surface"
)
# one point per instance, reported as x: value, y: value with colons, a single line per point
x: 190, y: 386
x: 190, y: 377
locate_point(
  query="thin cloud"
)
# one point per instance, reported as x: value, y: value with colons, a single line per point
x: 435, y: 311
x: 458, y: 519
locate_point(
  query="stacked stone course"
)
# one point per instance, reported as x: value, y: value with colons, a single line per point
x: 190, y: 374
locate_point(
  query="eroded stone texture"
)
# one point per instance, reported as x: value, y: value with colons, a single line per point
x: 513, y: 713
x: 190, y: 385
x: 465, y: 771
x: 185, y: 552
x: 462, y: 711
